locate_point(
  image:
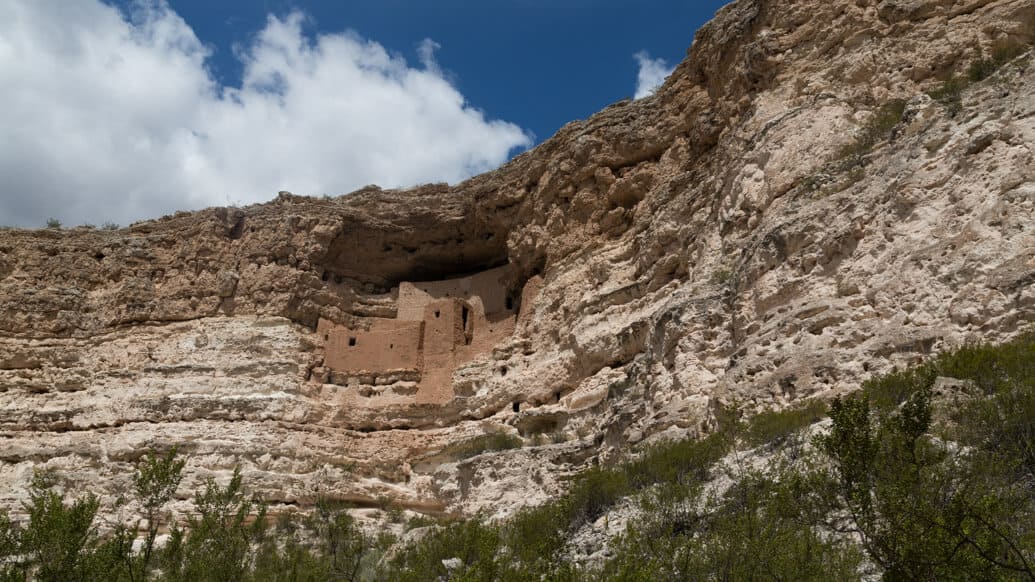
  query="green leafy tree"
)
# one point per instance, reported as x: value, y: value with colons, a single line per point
x: 11, y: 567
x: 342, y: 544
x: 154, y: 482
x: 215, y: 545
x: 60, y: 542
x: 921, y: 511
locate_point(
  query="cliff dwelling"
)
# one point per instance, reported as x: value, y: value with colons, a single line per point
x: 439, y: 326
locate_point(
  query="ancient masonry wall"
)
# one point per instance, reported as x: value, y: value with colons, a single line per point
x: 439, y: 326
x: 387, y: 345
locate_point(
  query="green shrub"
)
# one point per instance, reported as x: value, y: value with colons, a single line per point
x: 1007, y: 50
x: 529, y: 545
x: 53, y: 223
x: 497, y: 441
x: 685, y: 461
x: 890, y: 390
x: 60, y: 541
x: 535, y: 536
x: 593, y: 492
x: 981, y: 69
x: 876, y: 130
x: 1002, y: 426
x: 991, y: 368
x: 774, y: 427
x: 950, y: 94
x: 215, y: 544
x: 326, y: 545
x: 421, y: 520
x: 921, y: 511
x: 475, y: 543
x: 754, y: 531
x: 342, y: 545
x: 887, y: 117
x: 154, y: 482
x: 722, y: 276
x: 1001, y: 54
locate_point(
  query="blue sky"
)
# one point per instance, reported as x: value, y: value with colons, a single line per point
x: 119, y: 110
x: 536, y: 63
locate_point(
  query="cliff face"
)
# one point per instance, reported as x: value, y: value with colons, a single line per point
x: 734, y: 240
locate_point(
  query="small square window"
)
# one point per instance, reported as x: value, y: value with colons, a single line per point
x: 352, y: 341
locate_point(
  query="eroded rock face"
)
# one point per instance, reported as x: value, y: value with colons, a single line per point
x: 707, y: 245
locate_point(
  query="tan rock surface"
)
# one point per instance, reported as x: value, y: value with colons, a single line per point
x: 695, y: 247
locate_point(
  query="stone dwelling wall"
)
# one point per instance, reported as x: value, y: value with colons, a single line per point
x: 443, y: 334
x: 486, y: 292
x: 440, y: 326
x: 388, y: 345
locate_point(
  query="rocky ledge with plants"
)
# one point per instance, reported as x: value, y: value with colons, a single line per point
x: 923, y: 474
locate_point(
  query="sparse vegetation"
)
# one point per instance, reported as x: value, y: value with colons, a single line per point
x: 497, y: 441
x: 853, y: 177
x: 774, y: 427
x: 847, y: 168
x: 950, y: 94
x: 722, y: 276
x: 814, y: 182
x: 921, y: 506
x: 109, y: 226
x: 418, y: 520
x: 530, y: 545
x: 888, y: 491
x: 850, y: 159
x: 756, y: 530
x: 53, y: 223
x: 1002, y: 53
x: 876, y: 130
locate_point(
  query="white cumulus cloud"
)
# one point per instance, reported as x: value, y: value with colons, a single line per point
x: 106, y: 116
x: 651, y: 75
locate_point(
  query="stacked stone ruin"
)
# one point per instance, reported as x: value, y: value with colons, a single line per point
x: 439, y: 326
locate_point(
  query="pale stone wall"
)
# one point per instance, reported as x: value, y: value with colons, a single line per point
x: 529, y: 294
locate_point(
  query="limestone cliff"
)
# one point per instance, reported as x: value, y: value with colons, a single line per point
x: 732, y: 239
